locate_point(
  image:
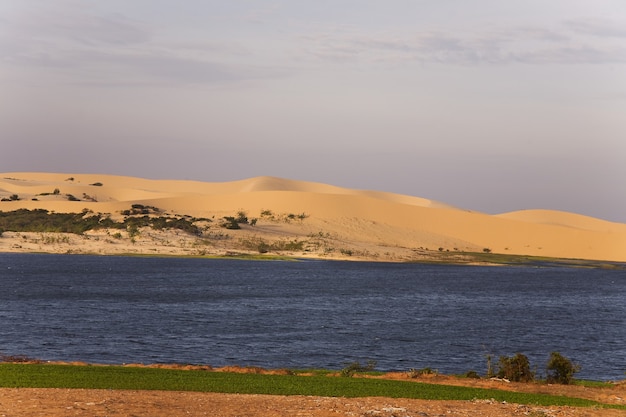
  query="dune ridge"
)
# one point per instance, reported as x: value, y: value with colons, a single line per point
x: 328, y: 221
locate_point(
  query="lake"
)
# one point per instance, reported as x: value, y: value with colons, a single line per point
x: 309, y: 314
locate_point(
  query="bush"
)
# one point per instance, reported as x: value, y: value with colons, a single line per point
x: 560, y: 370
x: 416, y: 373
x: 355, y: 367
x: 242, y: 217
x: 516, y: 368
x: 230, y: 223
x: 471, y: 374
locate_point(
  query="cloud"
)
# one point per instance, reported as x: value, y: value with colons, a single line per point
x: 575, y: 43
x: 82, y: 46
x: 598, y: 27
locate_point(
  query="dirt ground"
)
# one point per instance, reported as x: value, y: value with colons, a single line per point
x: 30, y: 402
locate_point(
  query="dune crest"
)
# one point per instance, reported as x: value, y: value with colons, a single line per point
x: 323, y: 220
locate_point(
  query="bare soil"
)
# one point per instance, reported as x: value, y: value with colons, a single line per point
x: 27, y: 402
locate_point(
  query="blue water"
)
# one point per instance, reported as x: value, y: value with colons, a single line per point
x: 319, y: 314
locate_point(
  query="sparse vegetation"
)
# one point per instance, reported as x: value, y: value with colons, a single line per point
x: 40, y: 220
x: 263, y: 246
x: 416, y: 373
x: 242, y: 217
x: 283, y: 217
x: 230, y: 223
x: 356, y: 367
x: 12, y: 197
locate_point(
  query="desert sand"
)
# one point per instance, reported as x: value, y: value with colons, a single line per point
x: 327, y: 222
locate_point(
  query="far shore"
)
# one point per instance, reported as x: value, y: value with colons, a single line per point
x: 273, y: 217
x: 16, y: 242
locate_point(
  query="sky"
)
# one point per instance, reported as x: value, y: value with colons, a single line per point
x: 486, y: 105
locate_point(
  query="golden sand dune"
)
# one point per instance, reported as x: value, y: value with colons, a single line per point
x: 328, y: 221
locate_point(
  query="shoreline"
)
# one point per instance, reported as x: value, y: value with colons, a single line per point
x: 14, y: 243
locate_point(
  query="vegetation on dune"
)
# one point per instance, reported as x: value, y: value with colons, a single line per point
x: 43, y: 221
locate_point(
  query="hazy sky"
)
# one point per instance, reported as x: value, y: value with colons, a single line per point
x: 488, y: 105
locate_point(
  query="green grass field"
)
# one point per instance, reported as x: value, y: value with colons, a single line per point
x: 118, y: 377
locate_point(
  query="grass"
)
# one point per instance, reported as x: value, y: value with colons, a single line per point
x: 118, y: 377
x: 458, y: 257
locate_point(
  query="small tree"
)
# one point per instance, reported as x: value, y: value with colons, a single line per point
x: 516, y: 368
x: 242, y: 217
x: 560, y: 370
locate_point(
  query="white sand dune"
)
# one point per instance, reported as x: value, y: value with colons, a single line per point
x: 337, y: 222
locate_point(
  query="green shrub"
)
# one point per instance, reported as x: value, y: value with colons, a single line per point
x: 516, y: 368
x: 230, y: 223
x: 560, y: 370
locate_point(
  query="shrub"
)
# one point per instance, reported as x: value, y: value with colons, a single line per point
x: 242, y: 217
x: 415, y: 373
x: 560, y: 370
x: 230, y: 223
x: 516, y: 368
x: 471, y: 374
x: 355, y: 367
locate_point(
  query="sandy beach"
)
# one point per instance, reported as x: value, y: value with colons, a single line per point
x: 293, y: 218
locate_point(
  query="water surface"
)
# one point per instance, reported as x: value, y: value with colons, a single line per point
x: 320, y: 314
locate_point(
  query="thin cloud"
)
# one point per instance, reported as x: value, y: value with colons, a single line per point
x: 84, y: 47
x: 524, y: 44
x: 598, y: 27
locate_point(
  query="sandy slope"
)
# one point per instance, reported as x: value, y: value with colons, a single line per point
x: 339, y: 222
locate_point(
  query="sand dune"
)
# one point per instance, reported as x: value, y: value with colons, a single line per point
x: 334, y: 221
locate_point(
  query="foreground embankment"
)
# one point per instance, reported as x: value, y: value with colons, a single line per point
x: 160, y: 390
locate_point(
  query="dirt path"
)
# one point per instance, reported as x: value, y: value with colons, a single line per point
x: 79, y: 402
